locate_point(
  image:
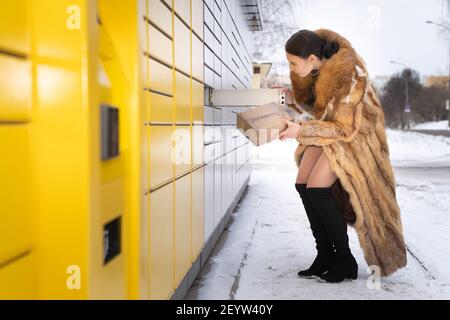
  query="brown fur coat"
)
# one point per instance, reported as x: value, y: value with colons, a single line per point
x: 348, y: 123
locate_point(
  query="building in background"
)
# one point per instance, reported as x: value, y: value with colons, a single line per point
x: 440, y: 81
x: 260, y: 71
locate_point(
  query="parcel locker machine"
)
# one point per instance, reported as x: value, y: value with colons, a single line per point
x: 245, y: 97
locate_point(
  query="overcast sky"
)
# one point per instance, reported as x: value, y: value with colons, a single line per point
x: 384, y: 30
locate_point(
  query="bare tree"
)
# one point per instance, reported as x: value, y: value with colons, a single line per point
x: 281, y: 19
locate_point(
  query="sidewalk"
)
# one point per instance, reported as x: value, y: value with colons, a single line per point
x: 269, y: 240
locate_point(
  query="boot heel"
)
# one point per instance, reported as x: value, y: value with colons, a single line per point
x: 353, y: 274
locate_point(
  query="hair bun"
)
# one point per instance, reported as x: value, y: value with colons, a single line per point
x: 329, y: 48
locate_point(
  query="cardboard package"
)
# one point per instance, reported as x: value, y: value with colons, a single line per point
x: 262, y: 124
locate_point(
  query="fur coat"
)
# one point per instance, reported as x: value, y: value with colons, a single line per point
x: 348, y: 123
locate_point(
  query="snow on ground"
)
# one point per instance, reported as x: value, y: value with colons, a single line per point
x: 269, y: 239
x: 413, y: 149
x: 435, y: 125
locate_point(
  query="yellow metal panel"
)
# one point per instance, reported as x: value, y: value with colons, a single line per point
x: 182, y: 228
x: 197, y: 58
x: 182, y: 7
x: 160, y: 46
x: 182, y: 46
x: 13, y: 26
x: 60, y: 147
x: 15, y: 89
x: 197, y: 17
x: 160, y: 15
x: 121, y: 39
x: 161, y: 243
x: 198, y: 208
x: 160, y: 77
x: 183, y: 98
x: 14, y: 191
x: 197, y: 101
x: 182, y: 149
x: 161, y: 165
x: 161, y: 108
x: 17, y: 280
x: 197, y: 144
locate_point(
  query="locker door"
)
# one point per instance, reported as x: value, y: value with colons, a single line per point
x: 13, y: 26
x: 182, y: 227
x: 15, y: 226
x: 161, y: 243
x: 198, y: 214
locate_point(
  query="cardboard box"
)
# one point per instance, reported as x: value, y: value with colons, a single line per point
x: 262, y: 124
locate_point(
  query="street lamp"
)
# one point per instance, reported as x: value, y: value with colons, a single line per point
x: 448, y: 29
x: 407, y: 105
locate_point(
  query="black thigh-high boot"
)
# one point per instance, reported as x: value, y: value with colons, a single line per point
x: 324, y: 248
x: 344, y: 265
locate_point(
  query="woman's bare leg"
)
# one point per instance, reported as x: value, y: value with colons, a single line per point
x: 309, y: 159
x: 321, y: 176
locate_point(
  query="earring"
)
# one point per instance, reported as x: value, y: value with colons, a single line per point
x: 314, y: 72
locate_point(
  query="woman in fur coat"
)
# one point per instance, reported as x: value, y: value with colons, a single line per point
x: 344, y: 171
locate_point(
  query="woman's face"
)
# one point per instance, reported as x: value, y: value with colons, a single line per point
x: 302, y: 67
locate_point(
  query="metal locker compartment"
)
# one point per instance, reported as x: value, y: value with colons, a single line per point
x: 209, y: 136
x: 197, y: 58
x: 209, y: 200
x: 198, y: 211
x: 160, y: 77
x: 160, y: 46
x: 209, y: 77
x: 240, y: 156
x: 217, y: 192
x: 209, y: 118
x: 160, y: 15
x: 224, y: 52
x: 182, y: 149
x: 218, y: 148
x: 15, y: 226
x: 198, y: 97
x: 217, y: 10
x: 210, y: 4
x: 160, y: 108
x: 209, y: 152
x: 209, y: 38
x: 15, y: 89
x: 197, y: 145
x: 217, y: 116
x: 161, y: 267
x: 183, y: 98
x: 17, y: 279
x: 182, y: 46
x: 209, y: 19
x: 227, y: 182
x: 161, y: 165
x: 217, y: 65
x: 197, y: 17
x: 217, y: 81
x: 217, y: 30
x: 232, y: 167
x: 217, y: 47
x: 209, y: 57
x: 13, y: 26
x: 182, y: 227
x: 183, y: 8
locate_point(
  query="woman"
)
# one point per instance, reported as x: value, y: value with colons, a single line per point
x: 344, y: 172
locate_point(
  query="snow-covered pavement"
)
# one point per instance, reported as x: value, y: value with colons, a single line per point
x: 268, y: 239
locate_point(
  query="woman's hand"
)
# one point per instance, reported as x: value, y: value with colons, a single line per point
x: 291, y: 131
